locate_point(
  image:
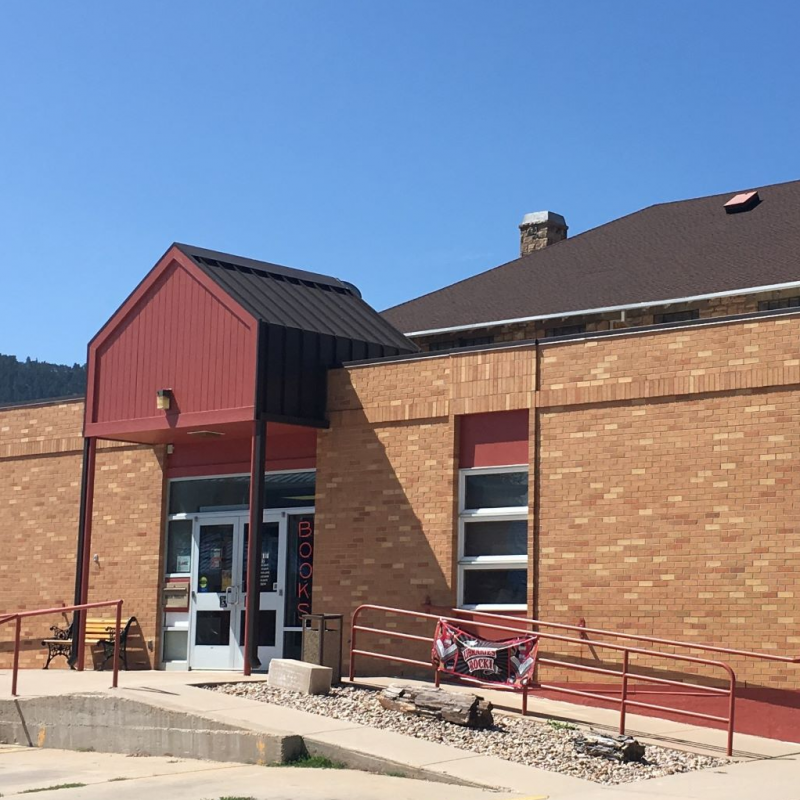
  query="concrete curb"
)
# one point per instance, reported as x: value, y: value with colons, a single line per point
x: 366, y: 762
x: 117, y: 725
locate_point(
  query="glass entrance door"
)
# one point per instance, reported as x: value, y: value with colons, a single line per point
x: 219, y: 590
x: 271, y: 577
x: 215, y: 608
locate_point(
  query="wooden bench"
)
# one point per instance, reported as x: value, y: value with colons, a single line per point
x: 99, y: 633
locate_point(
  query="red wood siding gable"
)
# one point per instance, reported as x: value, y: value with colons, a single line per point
x: 177, y: 331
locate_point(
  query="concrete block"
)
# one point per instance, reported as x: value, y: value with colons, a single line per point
x: 299, y: 676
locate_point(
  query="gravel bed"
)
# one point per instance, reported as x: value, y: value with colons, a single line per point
x: 547, y: 745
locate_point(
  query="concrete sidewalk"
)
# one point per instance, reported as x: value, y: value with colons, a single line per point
x: 766, y: 762
x: 23, y: 770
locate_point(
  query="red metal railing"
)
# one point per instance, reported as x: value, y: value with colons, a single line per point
x: 20, y: 615
x: 624, y: 673
x: 535, y: 624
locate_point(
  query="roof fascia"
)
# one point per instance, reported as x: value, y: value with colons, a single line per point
x: 775, y: 287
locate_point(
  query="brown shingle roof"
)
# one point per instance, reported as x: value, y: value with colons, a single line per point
x: 663, y: 252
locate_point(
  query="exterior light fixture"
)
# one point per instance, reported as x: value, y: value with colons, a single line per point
x: 163, y: 399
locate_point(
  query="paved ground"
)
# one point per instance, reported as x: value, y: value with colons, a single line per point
x: 770, y: 769
x: 124, y: 778
x: 34, y: 682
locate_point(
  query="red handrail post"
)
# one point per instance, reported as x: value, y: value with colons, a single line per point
x: 353, y: 644
x: 115, y: 679
x: 731, y: 709
x: 81, y: 634
x: 624, y: 699
x: 17, y: 626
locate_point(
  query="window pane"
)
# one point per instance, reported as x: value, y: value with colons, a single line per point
x: 175, y: 645
x: 774, y: 305
x: 292, y: 490
x: 216, y: 558
x: 497, y: 490
x: 495, y: 586
x: 209, y: 494
x: 292, y: 644
x: 268, y: 574
x: 266, y: 628
x: 676, y: 316
x: 565, y: 330
x: 496, y: 538
x: 179, y: 546
x: 232, y: 493
x: 212, y: 627
x: 452, y: 344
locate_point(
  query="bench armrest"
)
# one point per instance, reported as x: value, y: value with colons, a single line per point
x: 60, y: 633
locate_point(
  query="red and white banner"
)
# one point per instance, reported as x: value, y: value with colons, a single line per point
x: 510, y: 661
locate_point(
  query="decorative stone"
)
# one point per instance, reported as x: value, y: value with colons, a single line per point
x: 299, y: 676
x: 456, y: 707
x: 615, y: 748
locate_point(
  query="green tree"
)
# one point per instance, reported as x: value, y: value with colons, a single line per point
x: 24, y: 381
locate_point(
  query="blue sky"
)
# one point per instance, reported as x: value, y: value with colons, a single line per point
x: 395, y: 145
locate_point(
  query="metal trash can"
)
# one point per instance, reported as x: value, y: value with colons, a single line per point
x: 322, y: 642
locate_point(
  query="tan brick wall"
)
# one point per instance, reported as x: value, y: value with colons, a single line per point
x: 40, y: 474
x: 676, y: 518
x: 126, y: 537
x: 667, y: 496
x: 385, y: 499
x: 387, y: 475
x: 696, y: 352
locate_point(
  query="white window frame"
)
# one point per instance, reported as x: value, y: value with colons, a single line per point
x: 510, y: 514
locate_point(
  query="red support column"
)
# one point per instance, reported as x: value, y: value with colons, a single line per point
x: 253, y: 596
x: 83, y: 556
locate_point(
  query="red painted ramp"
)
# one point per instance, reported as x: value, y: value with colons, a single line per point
x: 771, y: 713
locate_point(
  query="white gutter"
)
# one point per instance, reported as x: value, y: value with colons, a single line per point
x: 775, y: 287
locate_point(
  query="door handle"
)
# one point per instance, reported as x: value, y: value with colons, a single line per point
x: 229, y: 597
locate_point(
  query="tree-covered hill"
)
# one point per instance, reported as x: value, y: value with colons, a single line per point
x: 21, y: 381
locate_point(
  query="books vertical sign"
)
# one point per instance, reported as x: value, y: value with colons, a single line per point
x: 300, y: 568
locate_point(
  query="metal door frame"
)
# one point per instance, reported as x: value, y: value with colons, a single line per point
x: 239, y: 519
x: 198, y: 521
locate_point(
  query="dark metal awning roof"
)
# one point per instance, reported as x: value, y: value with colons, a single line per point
x: 308, y: 323
x: 294, y: 298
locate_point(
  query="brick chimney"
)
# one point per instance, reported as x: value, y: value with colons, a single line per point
x: 540, y: 229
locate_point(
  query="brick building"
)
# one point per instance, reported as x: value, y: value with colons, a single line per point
x: 639, y: 473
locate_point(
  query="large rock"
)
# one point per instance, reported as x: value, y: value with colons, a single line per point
x: 614, y: 748
x: 299, y: 676
x: 459, y: 708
